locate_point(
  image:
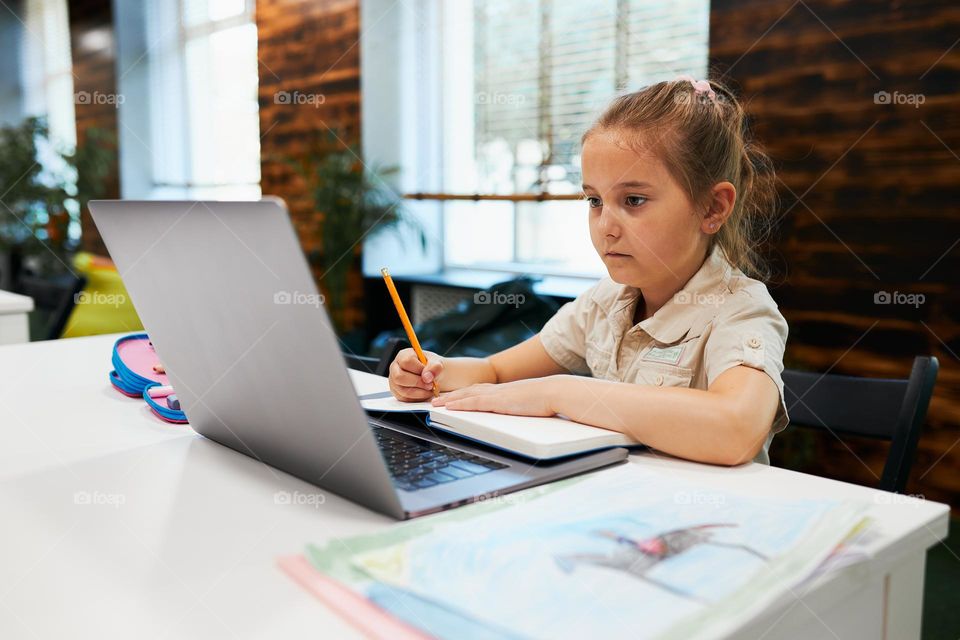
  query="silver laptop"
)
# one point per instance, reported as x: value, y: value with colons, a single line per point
x: 231, y: 307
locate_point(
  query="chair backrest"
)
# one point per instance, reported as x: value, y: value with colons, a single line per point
x: 888, y: 409
x: 379, y: 366
x: 361, y: 363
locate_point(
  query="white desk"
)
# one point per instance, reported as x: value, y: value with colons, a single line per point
x: 117, y: 525
x: 14, y: 326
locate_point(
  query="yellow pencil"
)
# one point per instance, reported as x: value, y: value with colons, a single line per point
x: 411, y: 336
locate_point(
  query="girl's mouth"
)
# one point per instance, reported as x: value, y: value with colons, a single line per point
x: 614, y: 254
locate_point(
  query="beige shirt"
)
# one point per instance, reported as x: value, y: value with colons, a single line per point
x: 720, y: 319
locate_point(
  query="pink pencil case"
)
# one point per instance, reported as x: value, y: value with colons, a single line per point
x: 134, y: 374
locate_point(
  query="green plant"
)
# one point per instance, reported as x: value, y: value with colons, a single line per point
x: 92, y: 162
x: 43, y: 189
x: 28, y: 195
x: 356, y: 203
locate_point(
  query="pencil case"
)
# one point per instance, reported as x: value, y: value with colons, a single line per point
x: 136, y: 370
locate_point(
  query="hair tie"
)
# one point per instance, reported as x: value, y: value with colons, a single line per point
x: 700, y: 87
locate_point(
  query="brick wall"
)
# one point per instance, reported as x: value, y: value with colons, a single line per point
x: 311, y: 47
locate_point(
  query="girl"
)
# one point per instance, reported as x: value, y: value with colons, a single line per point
x: 684, y: 349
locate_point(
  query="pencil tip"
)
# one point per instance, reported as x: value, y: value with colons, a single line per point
x: 384, y: 272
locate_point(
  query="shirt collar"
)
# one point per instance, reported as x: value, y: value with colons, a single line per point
x: 688, y: 312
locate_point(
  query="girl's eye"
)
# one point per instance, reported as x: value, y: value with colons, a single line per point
x: 594, y: 202
x: 635, y: 201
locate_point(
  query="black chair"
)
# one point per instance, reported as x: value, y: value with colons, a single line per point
x: 379, y: 366
x: 53, y: 299
x: 886, y: 409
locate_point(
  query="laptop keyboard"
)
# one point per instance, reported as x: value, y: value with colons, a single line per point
x: 418, y: 464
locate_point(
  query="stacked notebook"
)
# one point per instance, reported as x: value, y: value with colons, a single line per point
x: 532, y: 437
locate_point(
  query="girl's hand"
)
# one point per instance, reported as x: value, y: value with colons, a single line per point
x: 521, y: 398
x: 410, y: 380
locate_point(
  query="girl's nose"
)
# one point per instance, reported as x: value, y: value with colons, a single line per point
x: 609, y: 224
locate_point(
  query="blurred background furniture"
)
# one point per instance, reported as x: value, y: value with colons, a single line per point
x: 14, y: 323
x: 54, y: 299
x: 104, y: 304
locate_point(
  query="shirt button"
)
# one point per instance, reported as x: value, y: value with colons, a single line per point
x: 754, y: 342
x: 659, y: 379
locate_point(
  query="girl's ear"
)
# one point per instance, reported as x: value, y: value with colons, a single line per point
x: 723, y: 196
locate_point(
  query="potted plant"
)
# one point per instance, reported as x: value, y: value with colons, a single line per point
x: 42, y: 190
x: 355, y: 202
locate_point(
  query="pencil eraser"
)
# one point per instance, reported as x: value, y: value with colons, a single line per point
x: 160, y: 392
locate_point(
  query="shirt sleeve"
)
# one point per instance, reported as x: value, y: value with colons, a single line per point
x: 754, y: 334
x: 564, y: 336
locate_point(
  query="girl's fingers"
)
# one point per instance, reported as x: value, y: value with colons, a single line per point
x: 432, y: 371
x: 410, y: 394
x: 450, y: 396
x: 408, y: 361
x: 400, y: 376
x: 459, y: 394
x: 472, y: 403
x: 426, y: 395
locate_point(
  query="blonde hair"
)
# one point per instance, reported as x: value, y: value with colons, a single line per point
x: 703, y: 138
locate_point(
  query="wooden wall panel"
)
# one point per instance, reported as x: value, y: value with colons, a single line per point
x: 878, y: 184
x: 94, y: 70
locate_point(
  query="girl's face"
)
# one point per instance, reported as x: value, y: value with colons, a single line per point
x: 642, y: 223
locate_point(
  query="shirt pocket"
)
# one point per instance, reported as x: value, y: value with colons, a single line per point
x: 598, y: 360
x: 658, y: 374
x: 597, y: 352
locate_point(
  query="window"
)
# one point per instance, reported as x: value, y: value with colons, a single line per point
x: 203, y: 79
x: 543, y: 69
x: 48, y: 69
x: 47, y: 85
x: 516, y: 85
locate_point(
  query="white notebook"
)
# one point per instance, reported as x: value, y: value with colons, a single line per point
x: 540, y: 438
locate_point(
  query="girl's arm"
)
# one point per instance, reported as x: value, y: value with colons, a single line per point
x: 727, y: 424
x: 411, y: 381
x: 528, y: 359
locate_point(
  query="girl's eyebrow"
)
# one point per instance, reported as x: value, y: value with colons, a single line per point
x: 628, y: 183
